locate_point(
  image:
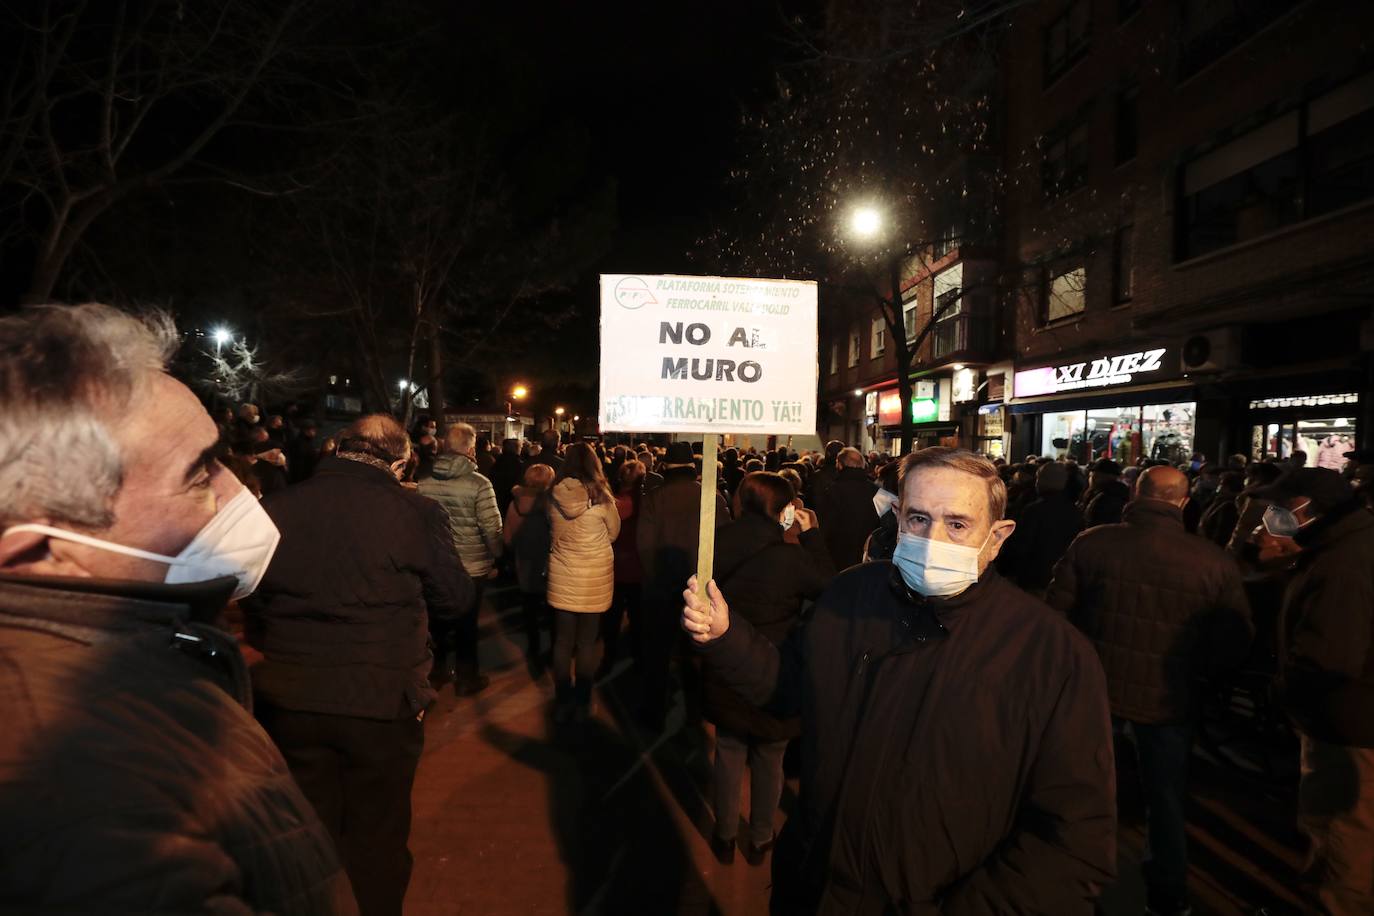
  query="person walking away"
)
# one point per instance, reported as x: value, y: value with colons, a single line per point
x: 629, y: 572
x: 652, y: 479
x: 548, y: 450
x: 527, y: 537
x: 1218, y: 522
x: 956, y: 742
x: 766, y: 580
x: 135, y: 778
x: 1106, y: 496
x: 883, y: 541
x: 849, y: 512
x: 1044, y: 531
x: 821, y: 481
x: 1326, y: 679
x: 583, y: 523
x: 506, y: 473
x: 470, y: 502
x: 303, y: 453
x: 668, y: 534
x: 1164, y: 610
x: 340, y: 619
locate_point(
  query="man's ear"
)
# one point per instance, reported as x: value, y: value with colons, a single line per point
x: 23, y: 548
x: 398, y: 468
x: 1001, y: 530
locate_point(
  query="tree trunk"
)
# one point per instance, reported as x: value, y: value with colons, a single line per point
x: 905, y: 356
x: 436, y: 377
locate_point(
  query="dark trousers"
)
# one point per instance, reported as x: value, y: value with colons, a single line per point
x: 765, y: 783
x: 533, y: 610
x: 574, y: 646
x: 466, y: 636
x: 656, y: 655
x: 358, y: 774
x: 626, y: 602
x: 1163, y: 752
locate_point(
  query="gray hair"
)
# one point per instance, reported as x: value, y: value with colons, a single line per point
x: 959, y: 460
x: 461, y: 438
x: 68, y: 376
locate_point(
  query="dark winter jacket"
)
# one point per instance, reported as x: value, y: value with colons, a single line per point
x: 1106, y: 505
x: 956, y: 753
x: 669, y: 524
x: 765, y: 581
x: 133, y: 778
x: 882, y: 543
x: 505, y: 477
x: 848, y: 516
x: 818, y: 486
x: 1326, y: 634
x: 1163, y: 607
x: 1044, y: 531
x: 529, y: 536
x: 342, y: 614
x: 1218, y: 523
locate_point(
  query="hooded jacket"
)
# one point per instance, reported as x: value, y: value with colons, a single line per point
x: 581, y: 562
x: 956, y: 753
x: 473, y: 513
x: 1326, y: 632
x: 527, y: 536
x: 1162, y: 606
x: 132, y: 776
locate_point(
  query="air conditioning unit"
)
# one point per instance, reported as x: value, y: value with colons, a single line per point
x: 1217, y: 350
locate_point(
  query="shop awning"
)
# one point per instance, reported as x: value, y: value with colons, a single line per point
x: 1137, y: 395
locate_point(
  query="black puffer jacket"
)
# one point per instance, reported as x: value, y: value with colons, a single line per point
x: 765, y: 580
x: 1044, y: 531
x: 1162, y: 606
x: 342, y: 614
x: 849, y: 516
x: 1326, y: 636
x: 1106, y: 505
x: 956, y: 753
x: 132, y: 777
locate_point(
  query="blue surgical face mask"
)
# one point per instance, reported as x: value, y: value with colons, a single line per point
x: 937, y: 569
x: 1281, y: 522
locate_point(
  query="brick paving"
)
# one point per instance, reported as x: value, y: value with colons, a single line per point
x: 515, y: 816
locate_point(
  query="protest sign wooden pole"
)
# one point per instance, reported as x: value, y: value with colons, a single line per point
x: 706, y: 546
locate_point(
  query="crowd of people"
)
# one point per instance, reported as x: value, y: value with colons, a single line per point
x: 958, y: 647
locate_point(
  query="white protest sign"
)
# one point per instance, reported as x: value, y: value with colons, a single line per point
x: 707, y: 354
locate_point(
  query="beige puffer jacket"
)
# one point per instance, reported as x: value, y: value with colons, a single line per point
x: 581, y: 564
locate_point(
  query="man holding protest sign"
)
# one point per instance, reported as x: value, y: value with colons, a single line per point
x: 956, y: 741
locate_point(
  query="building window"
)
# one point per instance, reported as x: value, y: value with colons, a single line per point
x: 1065, y: 289
x: 1123, y: 265
x: 878, y: 340
x: 1127, y: 123
x: 1066, y: 40
x: 909, y: 313
x: 1065, y: 163
x: 853, y: 349
x: 1211, y: 28
x: 1309, y: 161
x: 834, y: 357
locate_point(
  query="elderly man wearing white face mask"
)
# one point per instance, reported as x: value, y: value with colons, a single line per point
x: 956, y: 742
x: 132, y: 775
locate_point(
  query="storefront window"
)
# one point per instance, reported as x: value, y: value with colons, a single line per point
x: 1167, y: 432
x: 1114, y: 433
x: 1326, y: 441
x: 1063, y: 434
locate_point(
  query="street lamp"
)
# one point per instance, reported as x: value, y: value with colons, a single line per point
x: 866, y: 222
x: 222, y: 336
x: 519, y: 392
x: 559, y: 411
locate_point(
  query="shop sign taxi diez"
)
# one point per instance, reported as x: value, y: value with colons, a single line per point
x: 1100, y: 372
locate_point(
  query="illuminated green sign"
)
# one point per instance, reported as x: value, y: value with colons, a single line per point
x: 923, y: 409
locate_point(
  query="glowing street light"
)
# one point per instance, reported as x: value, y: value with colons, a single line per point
x: 576, y: 419
x: 222, y: 336
x: 858, y: 392
x: 519, y: 392
x: 866, y: 222
x: 559, y: 411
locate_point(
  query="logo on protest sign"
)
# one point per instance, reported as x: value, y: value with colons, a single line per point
x: 708, y: 354
x: 633, y: 293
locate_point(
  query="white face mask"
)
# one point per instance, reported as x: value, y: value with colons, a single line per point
x: 789, y: 515
x: 238, y: 541
x: 882, y: 501
x: 936, y: 568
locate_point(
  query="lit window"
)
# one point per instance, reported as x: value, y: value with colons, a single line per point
x: 1064, y: 294
x: 853, y: 349
x: 878, y: 342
